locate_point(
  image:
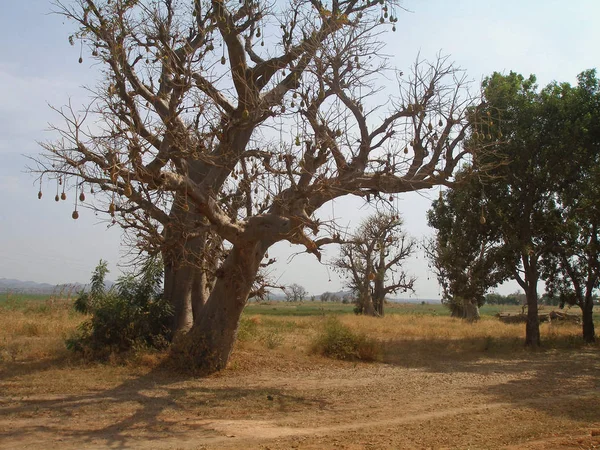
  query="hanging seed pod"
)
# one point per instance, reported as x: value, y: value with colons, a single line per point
x: 391, y: 198
x: 292, y: 104
x: 91, y: 190
x: 80, y: 60
x: 440, y: 123
x: 245, y: 114
x: 430, y: 127
x: 128, y: 191
x: 405, y: 150
x: 482, y: 219
x: 94, y: 52
x: 500, y: 134
x: 258, y: 32
x: 262, y: 43
x: 112, y: 208
x: 185, y: 207
x: 489, y: 136
x: 40, y: 195
x: 297, y: 142
x: 63, y: 196
x: 223, y: 60
x: 56, y: 198
x: 394, y: 28
x: 441, y: 197
x: 476, y: 135
x: 75, y: 215
x: 82, y: 197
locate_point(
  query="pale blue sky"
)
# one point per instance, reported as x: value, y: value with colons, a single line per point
x: 38, y: 239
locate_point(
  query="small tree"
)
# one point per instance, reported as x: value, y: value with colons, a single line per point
x: 295, y: 293
x: 372, y: 262
x: 465, y: 254
x: 85, y: 300
x: 133, y: 313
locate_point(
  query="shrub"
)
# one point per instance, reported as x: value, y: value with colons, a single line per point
x: 133, y: 314
x: 340, y: 342
x: 248, y: 328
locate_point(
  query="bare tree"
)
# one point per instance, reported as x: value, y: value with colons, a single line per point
x: 220, y: 128
x: 295, y: 293
x: 372, y: 261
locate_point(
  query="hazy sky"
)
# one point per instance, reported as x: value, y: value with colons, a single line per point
x: 40, y: 242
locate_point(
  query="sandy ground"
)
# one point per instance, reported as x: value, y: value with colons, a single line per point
x: 277, y: 400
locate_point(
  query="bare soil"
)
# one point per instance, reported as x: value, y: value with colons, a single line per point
x: 281, y: 399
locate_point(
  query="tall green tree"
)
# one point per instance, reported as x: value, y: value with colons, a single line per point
x: 572, y: 264
x: 535, y: 192
x: 505, y: 203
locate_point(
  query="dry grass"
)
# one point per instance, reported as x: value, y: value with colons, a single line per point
x: 36, y: 330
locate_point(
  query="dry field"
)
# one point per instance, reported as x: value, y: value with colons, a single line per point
x: 439, y: 383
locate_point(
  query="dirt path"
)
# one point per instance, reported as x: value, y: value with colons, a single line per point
x: 277, y: 401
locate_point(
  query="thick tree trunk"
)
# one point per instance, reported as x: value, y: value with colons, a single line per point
x: 379, y: 297
x: 366, y: 302
x: 178, y: 291
x: 587, y: 316
x: 208, y: 345
x: 532, y: 328
x: 471, y: 311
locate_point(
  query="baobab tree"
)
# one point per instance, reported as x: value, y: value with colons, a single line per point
x: 372, y: 261
x: 220, y: 128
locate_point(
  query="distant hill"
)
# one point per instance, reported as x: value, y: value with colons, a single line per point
x: 31, y: 287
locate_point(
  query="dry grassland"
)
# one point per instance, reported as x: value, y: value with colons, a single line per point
x: 439, y: 383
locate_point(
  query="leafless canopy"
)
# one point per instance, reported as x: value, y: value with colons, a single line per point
x: 372, y: 261
x: 241, y: 119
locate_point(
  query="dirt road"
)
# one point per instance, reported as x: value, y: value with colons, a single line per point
x: 277, y: 400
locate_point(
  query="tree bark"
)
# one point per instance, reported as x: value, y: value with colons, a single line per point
x: 471, y: 311
x: 379, y: 296
x: 532, y: 328
x: 178, y: 290
x: 587, y: 316
x: 208, y: 345
x: 366, y: 302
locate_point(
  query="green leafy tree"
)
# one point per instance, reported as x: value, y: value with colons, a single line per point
x: 513, y: 184
x: 572, y: 265
x: 466, y: 253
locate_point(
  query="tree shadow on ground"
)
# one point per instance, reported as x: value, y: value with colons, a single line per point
x: 158, y: 405
x: 562, y: 378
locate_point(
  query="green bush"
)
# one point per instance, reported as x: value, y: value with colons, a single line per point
x: 131, y: 315
x: 339, y: 342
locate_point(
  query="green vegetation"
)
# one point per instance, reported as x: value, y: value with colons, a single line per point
x: 133, y: 314
x: 339, y: 341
